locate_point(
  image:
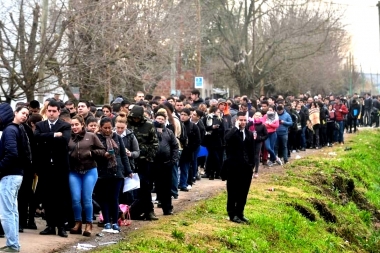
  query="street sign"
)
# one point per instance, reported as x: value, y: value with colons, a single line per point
x: 198, y: 82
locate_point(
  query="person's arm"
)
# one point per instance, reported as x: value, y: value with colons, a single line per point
x: 97, y: 147
x: 135, y: 146
x: 42, y: 136
x: 124, y: 158
x: 287, y: 121
x: 173, y: 148
x: 230, y: 134
x: 10, y: 151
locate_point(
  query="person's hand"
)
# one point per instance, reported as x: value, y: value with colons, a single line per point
x: 107, y: 155
x: 58, y: 134
x: 130, y: 175
x: 129, y: 153
x: 215, y: 126
x: 237, y: 124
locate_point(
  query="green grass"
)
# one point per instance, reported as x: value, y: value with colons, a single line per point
x: 345, y: 188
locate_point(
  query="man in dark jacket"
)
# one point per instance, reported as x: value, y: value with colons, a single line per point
x: 166, y: 157
x: 52, y: 137
x: 194, y: 140
x: 239, y: 164
x: 148, y: 143
x: 196, y: 119
x: 197, y: 100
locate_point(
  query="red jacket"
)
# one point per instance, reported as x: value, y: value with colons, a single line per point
x: 339, y: 116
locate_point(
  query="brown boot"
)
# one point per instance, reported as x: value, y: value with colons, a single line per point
x: 77, y: 229
x: 88, y: 229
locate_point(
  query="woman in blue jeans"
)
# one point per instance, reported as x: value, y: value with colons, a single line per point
x: 271, y: 122
x: 84, y: 148
x: 15, y: 157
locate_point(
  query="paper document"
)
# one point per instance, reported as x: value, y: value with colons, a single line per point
x: 131, y: 183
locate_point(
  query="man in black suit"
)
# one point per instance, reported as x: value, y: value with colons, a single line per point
x: 52, y: 137
x: 239, y: 165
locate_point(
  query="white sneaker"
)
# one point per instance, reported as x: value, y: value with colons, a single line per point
x: 278, y: 161
x: 293, y: 151
x: 189, y: 187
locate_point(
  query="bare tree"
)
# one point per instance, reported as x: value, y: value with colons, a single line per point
x: 259, y: 42
x: 22, y: 51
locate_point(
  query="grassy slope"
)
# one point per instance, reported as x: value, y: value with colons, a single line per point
x: 344, y: 188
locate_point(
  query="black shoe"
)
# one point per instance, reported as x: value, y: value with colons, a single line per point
x: 20, y: 229
x: 62, y: 232
x: 159, y: 205
x: 48, y: 231
x: 31, y: 225
x: 211, y: 177
x: 236, y: 219
x: 184, y: 189
x: 151, y: 216
x: 303, y: 149
x: 204, y: 176
x: 175, y: 197
x: 169, y: 212
x: 198, y: 177
x: 243, y: 219
x: 2, y: 235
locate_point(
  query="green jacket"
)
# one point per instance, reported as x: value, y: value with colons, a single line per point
x: 145, y: 133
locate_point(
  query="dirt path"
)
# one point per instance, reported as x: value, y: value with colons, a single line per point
x: 32, y: 242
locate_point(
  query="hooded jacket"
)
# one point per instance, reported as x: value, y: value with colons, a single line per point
x: 13, y: 158
x: 168, y: 145
x: 145, y: 133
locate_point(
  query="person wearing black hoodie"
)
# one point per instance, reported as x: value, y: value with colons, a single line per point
x: 164, y: 160
x: 353, y: 114
x: 15, y: 157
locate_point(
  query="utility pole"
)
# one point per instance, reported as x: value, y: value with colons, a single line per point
x: 378, y: 6
x: 41, y: 70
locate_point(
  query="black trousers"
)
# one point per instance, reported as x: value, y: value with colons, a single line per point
x: 214, y: 161
x: 163, y: 184
x: 238, y: 184
x: 144, y: 195
x: 55, y: 193
x: 26, y: 200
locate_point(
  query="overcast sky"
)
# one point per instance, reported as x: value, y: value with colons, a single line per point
x: 362, y: 21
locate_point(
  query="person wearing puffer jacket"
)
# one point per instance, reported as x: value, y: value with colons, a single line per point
x: 167, y: 155
x: 260, y: 134
x: 271, y: 122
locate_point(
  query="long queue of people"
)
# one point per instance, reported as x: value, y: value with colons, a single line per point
x: 80, y: 154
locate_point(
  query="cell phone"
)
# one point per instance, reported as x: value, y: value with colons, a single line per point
x: 111, y: 152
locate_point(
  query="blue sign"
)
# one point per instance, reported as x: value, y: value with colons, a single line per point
x: 198, y: 82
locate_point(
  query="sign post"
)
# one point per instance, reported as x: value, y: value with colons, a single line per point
x: 198, y: 84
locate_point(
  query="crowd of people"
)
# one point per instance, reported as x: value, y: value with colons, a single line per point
x: 65, y: 152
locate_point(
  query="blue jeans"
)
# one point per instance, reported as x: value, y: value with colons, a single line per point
x: 175, y: 177
x: 269, y: 145
x: 82, y: 187
x: 283, y: 145
x: 341, y: 131
x: 303, y: 137
x: 9, y: 187
x: 194, y: 164
x: 184, y: 167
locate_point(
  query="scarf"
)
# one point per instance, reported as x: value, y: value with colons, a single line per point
x: 111, y: 145
x: 79, y: 136
x: 271, y: 117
